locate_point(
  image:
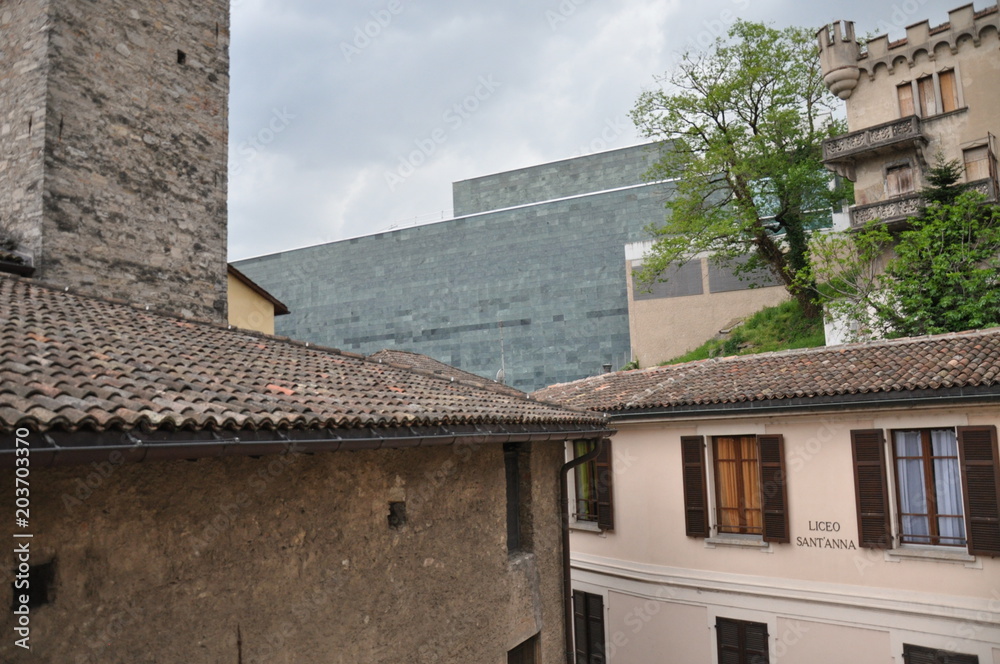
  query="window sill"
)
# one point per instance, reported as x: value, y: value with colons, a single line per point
x: 586, y: 526
x: 932, y: 554
x: 739, y: 542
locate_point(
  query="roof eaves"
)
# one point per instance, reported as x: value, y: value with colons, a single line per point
x: 853, y: 401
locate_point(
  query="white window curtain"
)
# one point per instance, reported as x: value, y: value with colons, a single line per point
x: 912, y: 498
x: 948, y: 487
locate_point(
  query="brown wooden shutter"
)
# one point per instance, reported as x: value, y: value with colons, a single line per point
x: 949, y: 91
x: 921, y: 655
x: 755, y: 642
x: 906, y: 107
x: 980, y: 461
x: 727, y: 637
x: 605, y: 485
x: 740, y: 641
x: 588, y: 627
x: 871, y: 490
x: 695, y: 486
x: 773, y: 489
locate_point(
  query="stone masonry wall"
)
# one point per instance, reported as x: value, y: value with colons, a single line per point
x: 23, y: 47
x: 291, y: 559
x: 553, y: 274
x: 558, y: 179
x: 135, y: 154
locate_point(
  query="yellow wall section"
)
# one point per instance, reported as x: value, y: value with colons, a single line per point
x: 247, y: 309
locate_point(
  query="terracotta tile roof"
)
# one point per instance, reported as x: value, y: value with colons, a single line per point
x: 70, y: 362
x: 428, y: 364
x: 901, y: 366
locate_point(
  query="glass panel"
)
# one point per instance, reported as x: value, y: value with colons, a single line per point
x: 727, y: 484
x: 586, y: 490
x: 751, y: 485
x: 948, y: 487
x: 908, y: 444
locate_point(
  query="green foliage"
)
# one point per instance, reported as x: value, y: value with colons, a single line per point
x: 745, y: 124
x: 775, y: 328
x: 941, y: 274
x: 946, y: 274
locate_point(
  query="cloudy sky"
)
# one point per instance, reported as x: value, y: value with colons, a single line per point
x: 353, y: 118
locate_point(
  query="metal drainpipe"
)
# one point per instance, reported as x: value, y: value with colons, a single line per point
x: 567, y: 581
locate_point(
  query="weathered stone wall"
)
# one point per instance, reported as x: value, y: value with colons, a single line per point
x: 23, y: 47
x: 135, y: 152
x: 283, y: 560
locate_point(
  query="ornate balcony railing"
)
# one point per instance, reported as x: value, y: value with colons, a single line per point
x: 873, y: 139
x: 896, y: 210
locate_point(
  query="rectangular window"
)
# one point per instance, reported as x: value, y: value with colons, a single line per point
x: 741, y: 642
x: 928, y: 102
x: 899, y: 180
x: 947, y: 487
x: 977, y: 163
x: 517, y: 468
x: 929, y: 487
x: 526, y: 653
x: 749, y: 486
x: 588, y: 627
x: 949, y: 91
x: 921, y: 655
x: 594, y: 479
x: 737, y: 485
x: 905, y: 94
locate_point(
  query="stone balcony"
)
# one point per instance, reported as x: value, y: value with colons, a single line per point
x: 895, y: 211
x: 842, y: 152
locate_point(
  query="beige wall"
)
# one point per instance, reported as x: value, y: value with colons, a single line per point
x: 969, y: 47
x: 248, y: 309
x: 805, y: 642
x: 167, y: 560
x: 955, y: 603
x: 664, y: 328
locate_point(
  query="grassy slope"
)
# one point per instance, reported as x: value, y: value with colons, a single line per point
x: 775, y: 328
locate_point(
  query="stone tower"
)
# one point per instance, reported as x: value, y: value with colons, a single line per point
x: 113, y: 147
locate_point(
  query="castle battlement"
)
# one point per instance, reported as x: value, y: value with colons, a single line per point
x: 841, y: 55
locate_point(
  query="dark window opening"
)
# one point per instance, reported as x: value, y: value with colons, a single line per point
x: 181, y: 57
x: 594, y: 490
x: 741, y: 642
x: 921, y: 655
x: 517, y: 470
x: 40, y: 579
x: 588, y: 628
x: 526, y: 653
x: 397, y: 515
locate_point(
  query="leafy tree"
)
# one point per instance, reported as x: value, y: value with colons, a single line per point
x: 745, y: 123
x: 940, y: 274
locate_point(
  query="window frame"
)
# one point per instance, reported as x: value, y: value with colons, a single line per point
x: 701, y: 516
x: 589, y: 643
x: 746, y: 502
x: 913, y: 654
x: 927, y: 96
x: 979, y: 470
x: 600, y: 475
x: 740, y: 646
x: 932, y: 515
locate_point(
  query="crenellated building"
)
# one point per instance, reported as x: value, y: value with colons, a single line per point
x: 930, y: 95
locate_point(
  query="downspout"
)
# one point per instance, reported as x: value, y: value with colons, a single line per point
x: 567, y: 582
